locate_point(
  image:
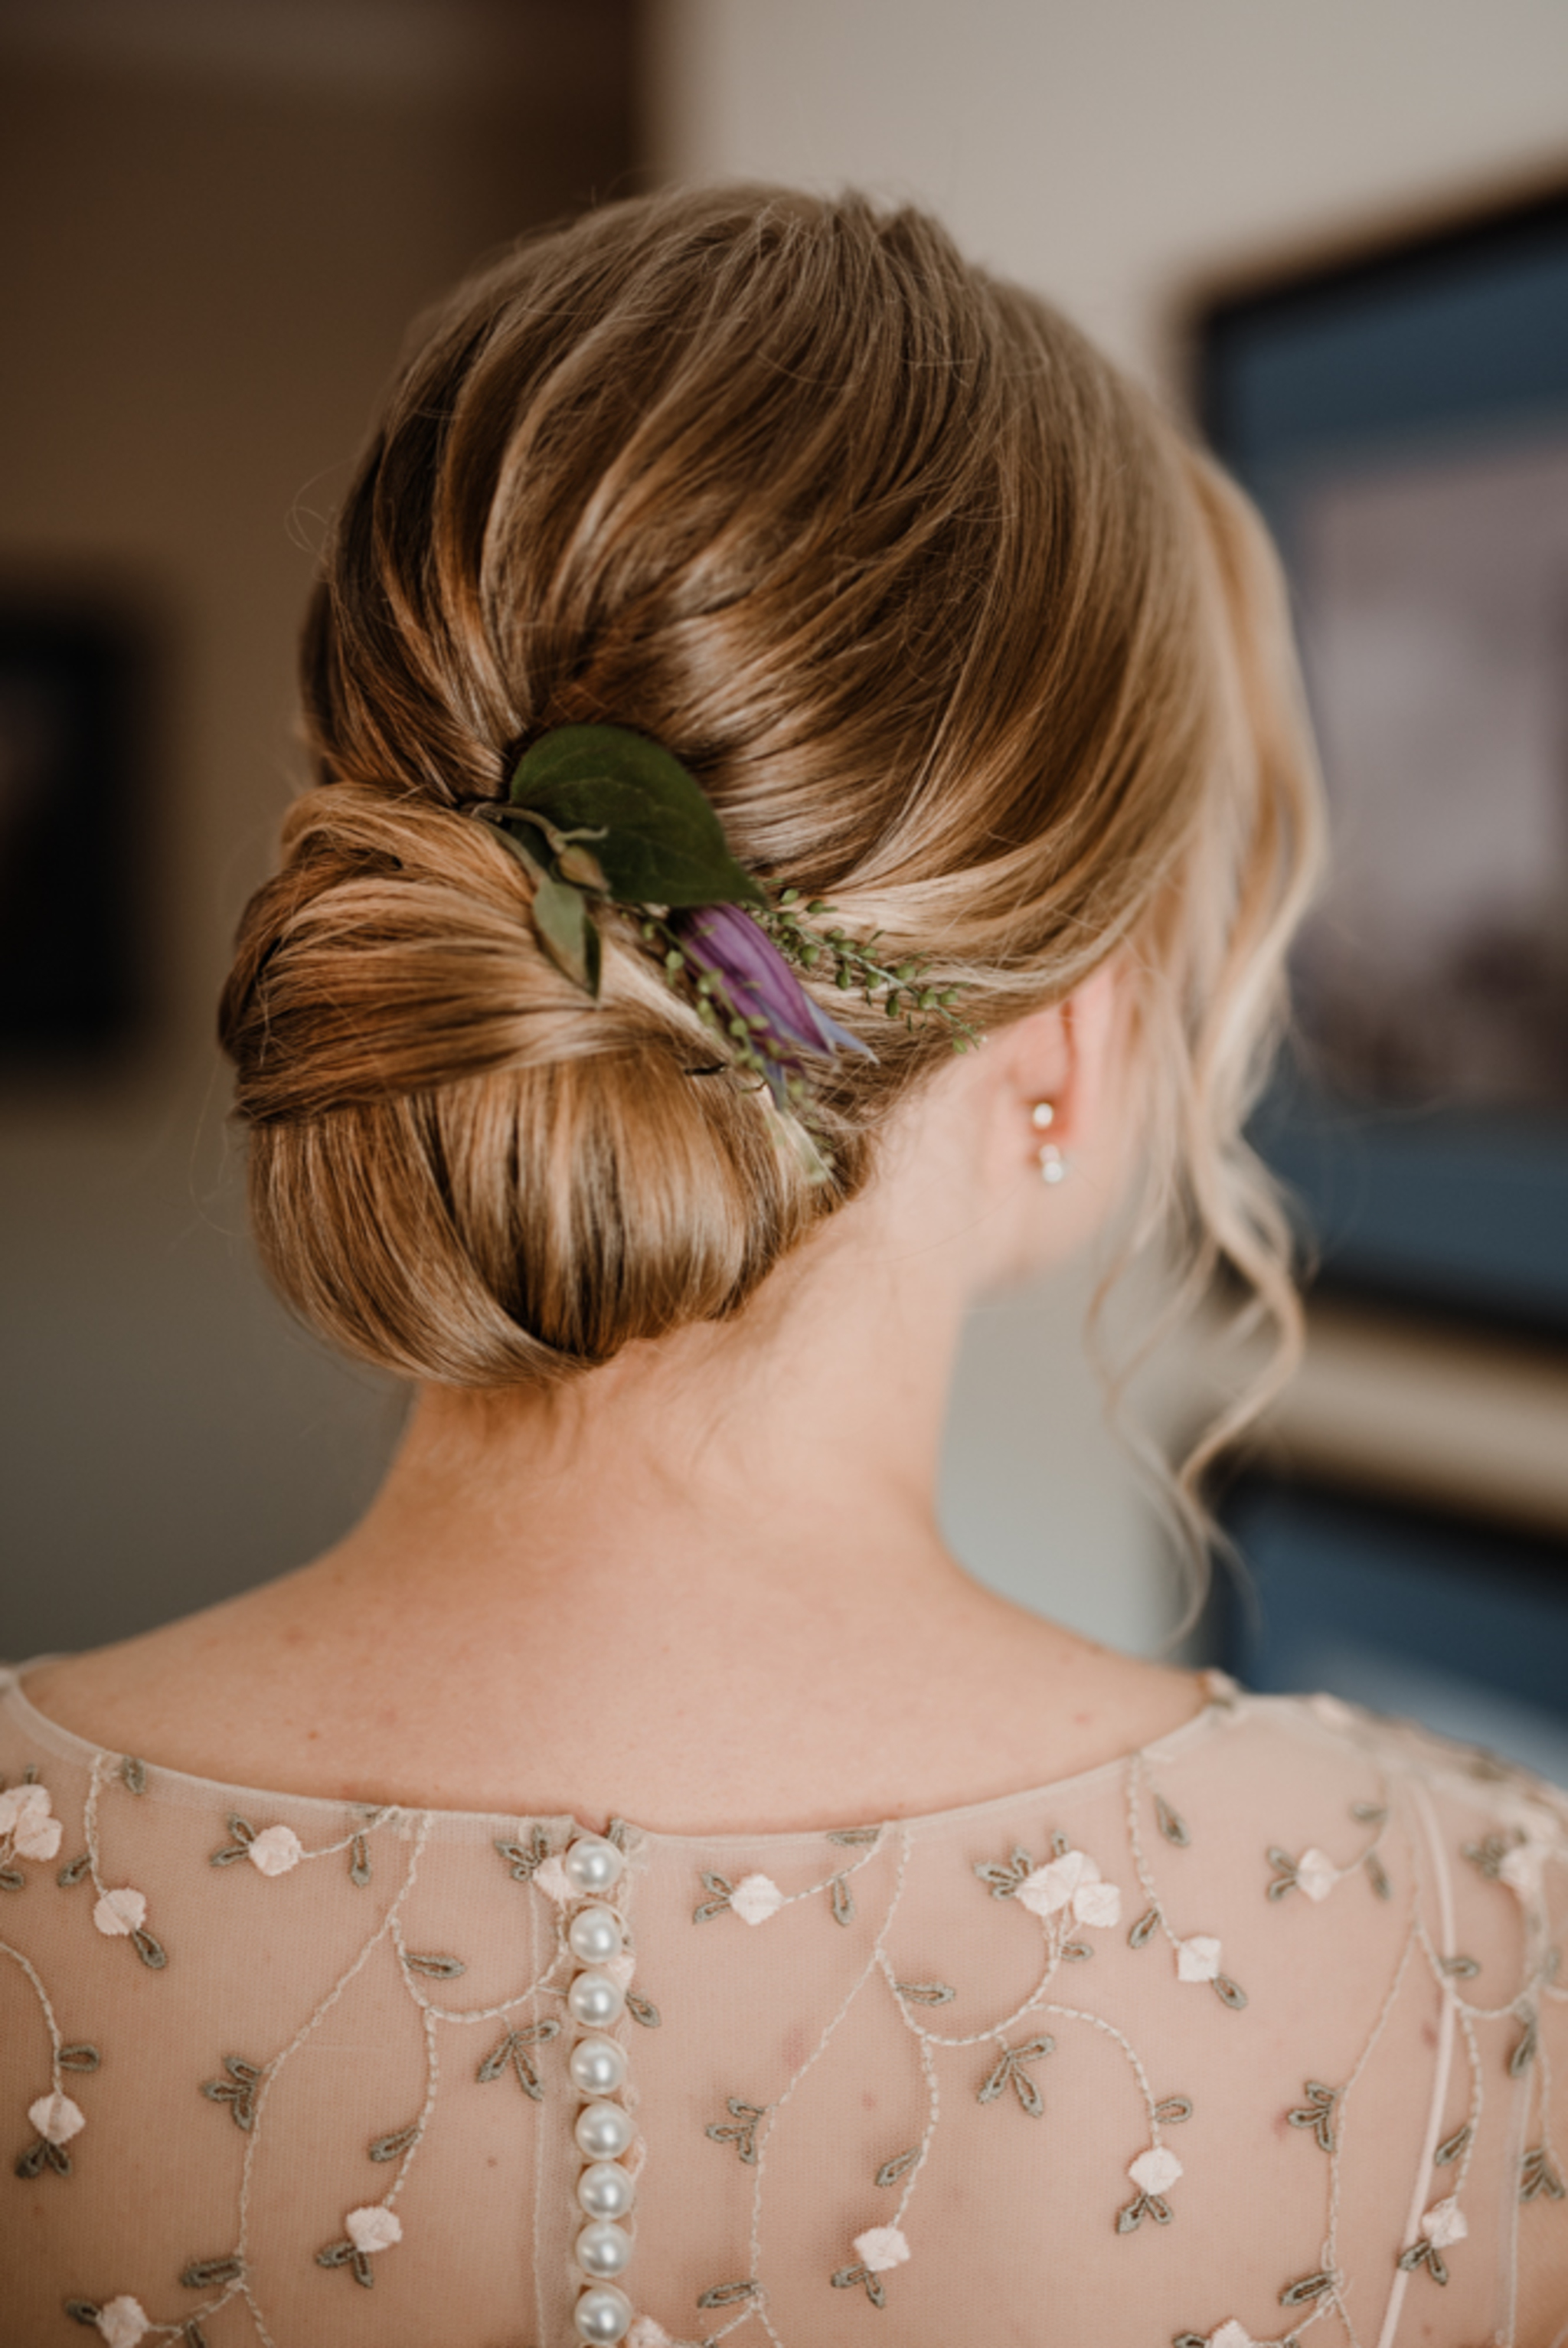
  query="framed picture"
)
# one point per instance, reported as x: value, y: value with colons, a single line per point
x: 1402, y: 420
x: 74, y: 864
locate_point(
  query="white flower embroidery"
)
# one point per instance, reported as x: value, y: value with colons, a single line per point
x: 1520, y: 1868
x: 1070, y: 1881
x: 1444, y: 2222
x: 646, y: 2333
x: 1232, y: 2335
x: 1097, y: 1903
x: 274, y: 1850
x: 120, y: 1911
x: 1154, y: 2170
x: 1316, y: 1874
x: 123, y: 2321
x: 551, y: 1878
x: 756, y: 1898
x: 56, y: 2118
x: 620, y: 1969
x: 1198, y: 1960
x: 880, y: 2249
x: 25, y: 1816
x: 373, y: 2228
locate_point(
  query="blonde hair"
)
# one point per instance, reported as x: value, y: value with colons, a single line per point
x: 953, y: 628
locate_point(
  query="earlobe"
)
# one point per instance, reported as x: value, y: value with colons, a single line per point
x: 1052, y: 1159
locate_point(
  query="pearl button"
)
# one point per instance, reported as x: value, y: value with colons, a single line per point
x: 603, y: 2251
x: 606, y: 2190
x: 595, y: 1935
x: 595, y: 2002
x: 593, y: 1866
x: 597, y: 2067
x: 603, y: 2315
x: 604, y: 2132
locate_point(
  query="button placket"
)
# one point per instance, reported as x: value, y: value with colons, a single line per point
x: 599, y: 1943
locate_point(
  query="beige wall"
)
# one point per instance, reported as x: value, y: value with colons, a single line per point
x: 1113, y: 153
x: 215, y: 223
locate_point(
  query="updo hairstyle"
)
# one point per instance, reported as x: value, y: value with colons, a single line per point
x: 955, y: 631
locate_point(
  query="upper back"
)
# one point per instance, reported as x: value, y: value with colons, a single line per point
x: 1252, y: 2029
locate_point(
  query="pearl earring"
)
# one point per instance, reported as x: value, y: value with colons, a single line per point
x: 1052, y: 1163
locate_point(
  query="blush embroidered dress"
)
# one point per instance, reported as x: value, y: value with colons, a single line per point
x: 1245, y: 2038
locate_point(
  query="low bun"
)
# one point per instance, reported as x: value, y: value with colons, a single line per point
x: 954, y: 631
x: 461, y: 1168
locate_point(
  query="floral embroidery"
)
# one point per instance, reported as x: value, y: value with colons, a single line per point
x: 1198, y: 1960
x: 1154, y: 2173
x: 237, y: 2090
x: 26, y: 1823
x: 1443, y: 2225
x: 741, y: 2129
x: 881, y: 2248
x: 370, y: 2229
x: 1318, y: 2113
x: 1072, y: 1881
x: 1009, y: 2072
x: 275, y: 1850
x: 1314, y: 1872
x: 1066, y: 1894
x: 551, y: 1878
x: 123, y: 2322
x: 512, y: 2053
x: 756, y: 1898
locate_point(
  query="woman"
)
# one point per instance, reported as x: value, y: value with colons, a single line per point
x: 750, y: 622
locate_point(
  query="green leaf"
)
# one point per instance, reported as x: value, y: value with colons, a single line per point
x: 663, y: 842
x: 567, y: 933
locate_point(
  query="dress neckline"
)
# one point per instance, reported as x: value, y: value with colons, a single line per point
x: 1222, y: 1702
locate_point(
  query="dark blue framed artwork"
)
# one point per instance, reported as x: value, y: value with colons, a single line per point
x: 75, y: 848
x: 1402, y: 421
x: 1461, y: 1625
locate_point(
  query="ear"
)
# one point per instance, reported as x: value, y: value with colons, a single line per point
x: 1068, y: 1054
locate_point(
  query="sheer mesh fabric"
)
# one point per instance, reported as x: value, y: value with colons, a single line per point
x: 1246, y: 2038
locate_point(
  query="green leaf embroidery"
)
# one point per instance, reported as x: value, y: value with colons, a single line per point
x: 388, y: 2147
x: 523, y: 1858
x: 741, y: 2130
x: 1537, y: 2176
x: 843, y: 1901
x: 727, y: 2294
x: 153, y: 1953
x: 80, y: 2057
x: 1172, y: 2110
x: 133, y: 1775
x: 847, y: 2277
x: 1144, y: 1929
x: 1310, y: 2287
x: 926, y: 1993
x: 72, y: 1871
x: 359, y: 1861
x: 237, y: 2090
x: 435, y: 1968
x: 513, y: 2051
x: 1318, y: 2113
x: 1170, y: 1823
x: 211, y: 2274
x: 242, y: 1834
x: 1449, y: 2150
x: 899, y: 2166
x: 643, y: 2010
x: 1009, y: 2072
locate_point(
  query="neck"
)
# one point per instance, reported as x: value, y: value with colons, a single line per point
x: 741, y: 1467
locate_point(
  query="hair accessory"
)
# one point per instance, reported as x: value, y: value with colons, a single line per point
x: 600, y: 816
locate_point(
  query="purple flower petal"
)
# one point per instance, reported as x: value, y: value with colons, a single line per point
x: 760, y: 982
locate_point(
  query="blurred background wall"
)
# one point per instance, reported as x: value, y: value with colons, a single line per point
x: 216, y: 220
